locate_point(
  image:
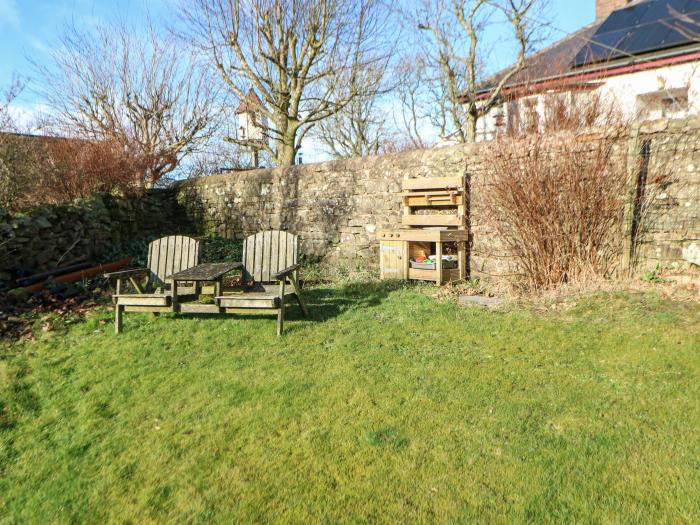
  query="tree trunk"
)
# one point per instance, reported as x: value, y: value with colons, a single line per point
x: 285, y: 155
x: 471, y: 128
x: 286, y: 148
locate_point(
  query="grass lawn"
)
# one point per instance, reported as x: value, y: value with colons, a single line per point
x: 386, y: 406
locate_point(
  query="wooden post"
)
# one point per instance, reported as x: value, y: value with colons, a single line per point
x: 118, y: 318
x: 280, y: 312
x: 174, y: 298
x: 630, y: 196
x: 462, y: 259
x: 438, y: 262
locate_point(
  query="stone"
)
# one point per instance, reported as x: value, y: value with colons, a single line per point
x: 479, y: 300
x: 691, y: 254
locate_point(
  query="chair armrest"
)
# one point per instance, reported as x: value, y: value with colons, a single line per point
x: 126, y: 273
x: 287, y: 271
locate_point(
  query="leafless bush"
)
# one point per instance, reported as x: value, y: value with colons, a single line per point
x: 81, y: 168
x: 68, y: 169
x: 557, y: 201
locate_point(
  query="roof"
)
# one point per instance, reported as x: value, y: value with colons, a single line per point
x: 640, y: 28
x: 551, y: 61
x: 249, y: 104
x: 636, y: 33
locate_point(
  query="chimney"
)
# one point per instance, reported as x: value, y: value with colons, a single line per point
x: 604, y: 7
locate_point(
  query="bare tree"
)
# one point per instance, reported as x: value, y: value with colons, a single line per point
x: 413, y: 105
x: 143, y: 91
x: 359, y: 129
x: 455, y: 51
x: 294, y: 54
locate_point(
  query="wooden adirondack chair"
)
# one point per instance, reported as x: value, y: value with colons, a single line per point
x: 270, y: 260
x: 166, y: 256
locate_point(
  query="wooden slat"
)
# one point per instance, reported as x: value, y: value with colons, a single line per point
x: 432, y: 220
x: 154, y: 309
x: 177, y: 255
x: 406, y: 234
x: 231, y: 302
x: 291, y: 250
x: 136, y: 300
x: 428, y: 183
x: 267, y: 256
x: 198, y: 308
x: 437, y: 200
x: 274, y: 252
x: 431, y: 275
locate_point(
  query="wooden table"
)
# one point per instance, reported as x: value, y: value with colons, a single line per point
x: 208, y: 272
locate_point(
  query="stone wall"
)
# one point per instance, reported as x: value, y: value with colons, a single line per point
x: 336, y: 207
x: 672, y: 220
x: 42, y: 237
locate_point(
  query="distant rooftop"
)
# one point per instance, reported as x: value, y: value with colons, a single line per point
x: 641, y: 30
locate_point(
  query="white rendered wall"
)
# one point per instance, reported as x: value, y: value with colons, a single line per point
x: 623, y: 90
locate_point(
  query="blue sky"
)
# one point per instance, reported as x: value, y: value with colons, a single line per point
x: 29, y: 28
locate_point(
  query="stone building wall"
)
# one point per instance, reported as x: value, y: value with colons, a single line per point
x: 39, y: 239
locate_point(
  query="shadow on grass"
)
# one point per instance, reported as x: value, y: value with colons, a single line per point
x: 324, y: 303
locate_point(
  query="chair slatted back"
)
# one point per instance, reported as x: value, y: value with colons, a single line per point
x: 267, y: 253
x: 169, y: 255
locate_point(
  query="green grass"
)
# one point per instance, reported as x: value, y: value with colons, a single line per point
x: 386, y: 406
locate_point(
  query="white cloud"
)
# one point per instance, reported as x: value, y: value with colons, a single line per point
x: 9, y: 13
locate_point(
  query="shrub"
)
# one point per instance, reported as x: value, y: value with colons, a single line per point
x: 557, y: 201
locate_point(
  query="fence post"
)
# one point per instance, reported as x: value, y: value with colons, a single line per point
x: 633, y: 145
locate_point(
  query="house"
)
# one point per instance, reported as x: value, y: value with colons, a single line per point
x: 642, y: 55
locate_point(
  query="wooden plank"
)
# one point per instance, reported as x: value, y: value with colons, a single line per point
x: 135, y: 300
x: 198, y: 308
x: 423, y: 200
x: 150, y: 309
x: 178, y: 262
x: 416, y: 193
x: 245, y: 274
x: 242, y: 302
x: 249, y: 311
x: 422, y: 275
x: 429, y: 183
x: 153, y: 261
x: 162, y: 259
x: 406, y: 234
x: 291, y: 250
x: 274, y: 252
x: 258, y: 257
x: 432, y: 220
x: 266, y: 244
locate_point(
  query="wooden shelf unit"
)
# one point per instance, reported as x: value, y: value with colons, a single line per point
x: 420, y: 230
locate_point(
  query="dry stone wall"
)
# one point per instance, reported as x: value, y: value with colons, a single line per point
x: 672, y: 220
x: 43, y: 237
x: 337, y: 207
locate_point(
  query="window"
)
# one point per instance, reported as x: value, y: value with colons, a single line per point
x: 663, y: 103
